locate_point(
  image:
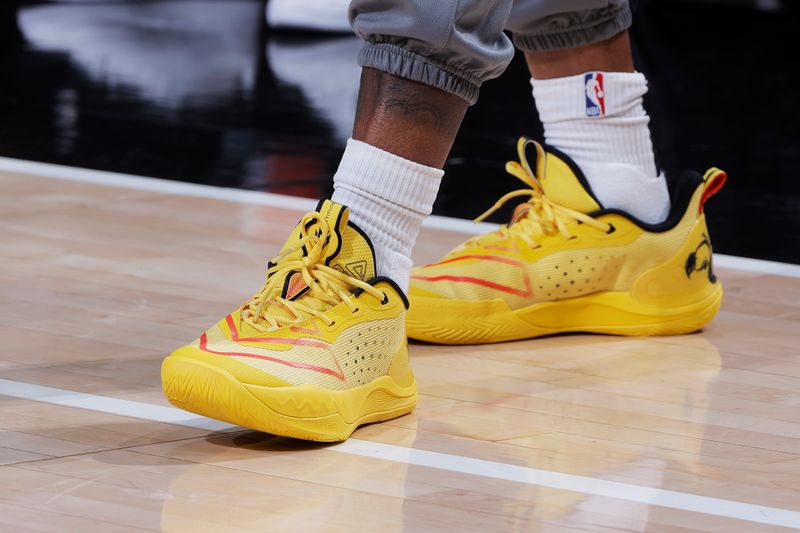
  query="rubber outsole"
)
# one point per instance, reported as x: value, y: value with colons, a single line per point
x: 303, y: 412
x: 468, y: 322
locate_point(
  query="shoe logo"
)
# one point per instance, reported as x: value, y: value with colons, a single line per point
x: 701, y: 259
x: 356, y: 269
x: 595, y: 95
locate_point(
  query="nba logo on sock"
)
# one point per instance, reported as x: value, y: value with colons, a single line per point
x: 595, y: 95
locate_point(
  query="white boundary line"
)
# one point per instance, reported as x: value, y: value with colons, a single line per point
x: 441, y: 461
x: 758, y: 266
x: 178, y: 188
x: 107, y: 404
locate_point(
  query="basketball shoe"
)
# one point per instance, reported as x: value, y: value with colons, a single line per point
x: 566, y: 264
x: 320, y: 350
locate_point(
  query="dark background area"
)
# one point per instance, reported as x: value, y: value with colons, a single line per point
x: 203, y: 91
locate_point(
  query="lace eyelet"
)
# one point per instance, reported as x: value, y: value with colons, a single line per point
x: 356, y: 310
x: 332, y: 324
x: 385, y: 299
x: 611, y: 229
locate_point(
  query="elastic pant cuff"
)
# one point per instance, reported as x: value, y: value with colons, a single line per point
x: 600, y: 28
x: 398, y: 61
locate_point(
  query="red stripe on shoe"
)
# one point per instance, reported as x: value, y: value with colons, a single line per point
x: 272, y: 340
x: 294, y: 364
x: 484, y: 283
x: 494, y: 258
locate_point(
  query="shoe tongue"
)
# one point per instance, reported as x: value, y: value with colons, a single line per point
x: 347, y: 249
x: 563, y: 182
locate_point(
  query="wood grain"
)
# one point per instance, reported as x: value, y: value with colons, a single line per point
x: 98, y: 284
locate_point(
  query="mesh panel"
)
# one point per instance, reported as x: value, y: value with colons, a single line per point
x: 496, y: 269
x: 359, y: 354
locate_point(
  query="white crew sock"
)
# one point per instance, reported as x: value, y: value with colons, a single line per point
x: 607, y: 136
x: 388, y: 197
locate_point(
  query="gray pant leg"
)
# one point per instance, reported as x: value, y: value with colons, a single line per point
x: 539, y: 25
x: 453, y: 45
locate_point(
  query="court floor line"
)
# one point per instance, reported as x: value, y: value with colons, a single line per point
x: 178, y: 188
x: 441, y: 461
x: 197, y: 190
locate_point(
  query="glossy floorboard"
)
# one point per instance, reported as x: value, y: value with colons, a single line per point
x: 98, y: 283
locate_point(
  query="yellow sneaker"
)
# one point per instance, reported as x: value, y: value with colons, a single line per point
x: 563, y: 264
x: 320, y: 350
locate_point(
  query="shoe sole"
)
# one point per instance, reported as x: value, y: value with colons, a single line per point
x: 615, y: 313
x: 302, y: 412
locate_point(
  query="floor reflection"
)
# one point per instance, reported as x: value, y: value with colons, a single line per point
x: 626, y: 410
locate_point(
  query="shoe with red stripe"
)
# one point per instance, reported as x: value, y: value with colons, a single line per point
x: 566, y: 264
x: 318, y: 351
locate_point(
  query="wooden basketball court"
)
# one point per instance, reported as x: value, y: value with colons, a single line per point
x: 98, y: 282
